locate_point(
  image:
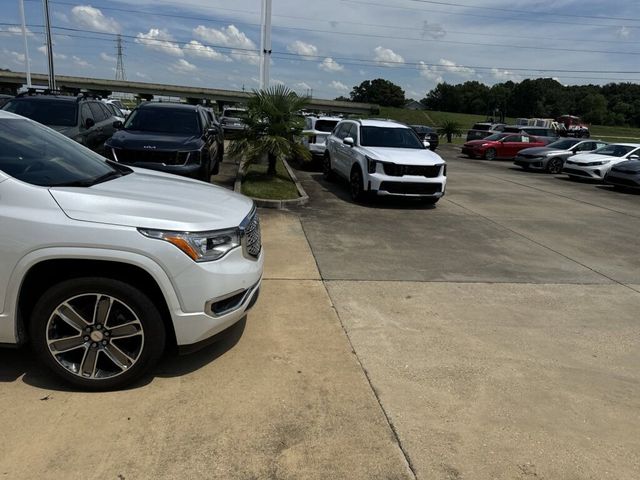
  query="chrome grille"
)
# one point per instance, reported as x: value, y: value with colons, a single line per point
x: 252, y: 240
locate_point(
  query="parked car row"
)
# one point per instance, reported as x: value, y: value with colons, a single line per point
x: 564, y: 126
x: 174, y: 138
x: 617, y: 164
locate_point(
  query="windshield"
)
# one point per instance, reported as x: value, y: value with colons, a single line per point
x: 37, y: 155
x: 326, y: 125
x: 389, y: 137
x: 614, y: 150
x: 563, y: 144
x: 481, y: 126
x: 61, y: 113
x: 235, y: 113
x: 495, y: 136
x: 163, y: 120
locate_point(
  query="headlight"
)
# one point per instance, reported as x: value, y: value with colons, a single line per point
x: 200, y: 246
x: 594, y: 164
x: 371, y: 164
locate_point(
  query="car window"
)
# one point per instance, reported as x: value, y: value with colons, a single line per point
x: 495, y: 136
x: 512, y: 138
x: 37, y: 155
x: 325, y: 125
x: 563, y: 144
x: 343, y: 131
x: 98, y: 114
x: 526, y: 139
x: 163, y: 120
x: 85, y: 113
x: 61, y: 113
x: 390, y: 137
x: 600, y: 145
x: 107, y: 111
x: 481, y: 126
x: 353, y: 132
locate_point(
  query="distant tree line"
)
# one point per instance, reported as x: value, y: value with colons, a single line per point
x: 611, y: 104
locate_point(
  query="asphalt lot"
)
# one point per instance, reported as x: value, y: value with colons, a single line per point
x: 492, y: 337
x: 499, y: 329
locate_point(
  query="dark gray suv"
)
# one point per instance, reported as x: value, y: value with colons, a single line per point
x: 84, y: 119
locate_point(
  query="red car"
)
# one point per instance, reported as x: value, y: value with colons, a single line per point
x: 501, y: 145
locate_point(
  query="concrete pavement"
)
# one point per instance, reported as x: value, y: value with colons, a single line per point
x: 283, y: 397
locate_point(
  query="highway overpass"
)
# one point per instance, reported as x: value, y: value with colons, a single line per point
x: 12, y: 81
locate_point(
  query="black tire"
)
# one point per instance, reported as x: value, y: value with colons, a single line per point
x: 132, y: 332
x: 490, y: 154
x: 327, y: 172
x: 205, y: 170
x: 554, y: 166
x: 356, y: 185
x: 216, y: 168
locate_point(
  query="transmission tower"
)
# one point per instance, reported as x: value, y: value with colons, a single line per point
x: 120, y: 75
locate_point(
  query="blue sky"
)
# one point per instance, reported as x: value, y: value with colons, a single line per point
x: 330, y: 46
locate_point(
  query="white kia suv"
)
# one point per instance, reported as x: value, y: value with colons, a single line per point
x: 103, y: 265
x: 383, y: 157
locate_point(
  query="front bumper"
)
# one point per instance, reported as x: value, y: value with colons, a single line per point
x: 630, y: 180
x: 534, y: 163
x: 215, y: 295
x: 406, y: 185
x: 597, y: 172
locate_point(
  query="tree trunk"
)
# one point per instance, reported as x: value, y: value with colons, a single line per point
x: 449, y: 135
x: 271, y: 170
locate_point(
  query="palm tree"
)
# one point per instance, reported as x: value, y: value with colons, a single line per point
x: 271, y: 126
x: 449, y: 128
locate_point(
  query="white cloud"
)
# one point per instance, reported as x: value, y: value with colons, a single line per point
x: 182, y: 66
x: 58, y: 56
x: 80, y: 62
x: 304, y: 86
x: 624, y: 32
x: 159, y: 40
x: 14, y: 30
x: 504, y: 75
x: 451, y: 67
x: 141, y: 75
x: 108, y: 58
x: 243, y: 48
x: 386, y: 56
x: 330, y: 65
x: 17, y: 57
x: 339, y: 86
x: 301, y: 48
x: 61, y: 16
x: 196, y: 49
x: 430, y: 73
x: 93, y: 18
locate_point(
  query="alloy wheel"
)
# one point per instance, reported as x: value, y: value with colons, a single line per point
x: 95, y: 336
x: 555, y: 166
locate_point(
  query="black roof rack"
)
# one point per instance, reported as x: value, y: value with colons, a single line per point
x: 39, y: 91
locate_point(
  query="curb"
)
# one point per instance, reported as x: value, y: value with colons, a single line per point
x: 277, y: 204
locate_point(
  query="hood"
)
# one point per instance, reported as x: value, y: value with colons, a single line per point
x: 147, y: 199
x: 137, y: 140
x: 544, y: 151
x: 66, y: 131
x: 593, y: 157
x: 632, y: 166
x: 404, y: 156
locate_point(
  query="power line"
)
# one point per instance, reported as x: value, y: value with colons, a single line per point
x: 288, y: 55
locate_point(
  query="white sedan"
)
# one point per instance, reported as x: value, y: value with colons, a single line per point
x: 596, y: 165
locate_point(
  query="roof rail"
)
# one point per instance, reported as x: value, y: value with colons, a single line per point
x: 39, y: 91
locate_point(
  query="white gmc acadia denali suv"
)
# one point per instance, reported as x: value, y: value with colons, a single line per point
x: 384, y: 157
x: 102, y: 265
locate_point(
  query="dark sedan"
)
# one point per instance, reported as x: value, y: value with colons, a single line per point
x: 625, y: 174
x: 170, y: 137
x: 427, y: 133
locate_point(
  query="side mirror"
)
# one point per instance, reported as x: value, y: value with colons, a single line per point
x: 426, y: 144
x: 88, y: 123
x: 213, y: 130
x: 634, y: 157
x: 118, y: 125
x: 349, y: 141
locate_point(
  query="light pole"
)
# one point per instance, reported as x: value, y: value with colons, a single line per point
x: 265, y: 44
x: 27, y: 60
x: 47, y: 29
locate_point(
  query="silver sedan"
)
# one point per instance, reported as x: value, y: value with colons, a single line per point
x: 552, y: 157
